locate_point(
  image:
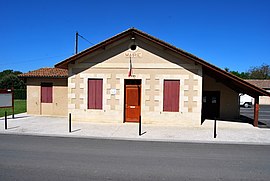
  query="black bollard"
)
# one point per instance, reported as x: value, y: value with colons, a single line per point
x: 5, y: 119
x: 69, y: 122
x: 140, y: 126
x: 215, y: 128
x: 13, y: 112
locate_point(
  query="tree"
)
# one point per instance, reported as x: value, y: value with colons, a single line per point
x: 9, y: 78
x: 260, y: 72
x: 243, y: 75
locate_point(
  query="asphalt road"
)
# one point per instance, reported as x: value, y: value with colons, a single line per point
x: 264, y: 115
x: 52, y: 158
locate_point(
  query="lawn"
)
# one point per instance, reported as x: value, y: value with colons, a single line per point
x: 19, y: 107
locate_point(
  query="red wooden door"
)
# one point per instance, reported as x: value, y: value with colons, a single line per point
x: 133, y: 103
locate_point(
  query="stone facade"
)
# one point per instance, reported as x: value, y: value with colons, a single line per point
x: 152, y: 65
x: 205, y: 91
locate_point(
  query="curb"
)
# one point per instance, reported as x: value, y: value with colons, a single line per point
x: 137, y: 139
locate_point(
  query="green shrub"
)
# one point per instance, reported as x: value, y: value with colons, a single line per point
x: 20, y: 94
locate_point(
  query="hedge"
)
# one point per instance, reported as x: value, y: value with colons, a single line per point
x: 20, y: 94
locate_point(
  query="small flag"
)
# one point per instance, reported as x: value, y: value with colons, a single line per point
x: 130, y: 68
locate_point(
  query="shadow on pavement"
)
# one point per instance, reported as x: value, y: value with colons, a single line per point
x: 76, y: 130
x: 16, y: 117
x: 19, y: 117
x: 245, y: 119
x: 143, y: 133
x: 14, y: 127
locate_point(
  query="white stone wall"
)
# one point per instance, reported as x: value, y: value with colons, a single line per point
x: 152, y: 67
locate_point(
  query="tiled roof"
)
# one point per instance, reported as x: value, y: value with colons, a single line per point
x: 264, y: 84
x: 228, y: 79
x: 46, y: 72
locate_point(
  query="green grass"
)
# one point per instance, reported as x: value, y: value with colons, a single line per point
x: 19, y: 107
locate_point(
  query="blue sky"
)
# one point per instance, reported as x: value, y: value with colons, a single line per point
x: 226, y: 33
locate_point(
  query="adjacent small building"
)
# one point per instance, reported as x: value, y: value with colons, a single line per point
x: 134, y: 75
x: 263, y: 84
x: 47, y: 90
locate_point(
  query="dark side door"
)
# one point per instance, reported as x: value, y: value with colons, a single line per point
x: 210, y: 105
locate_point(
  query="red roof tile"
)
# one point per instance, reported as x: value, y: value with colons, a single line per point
x: 46, y: 72
x: 264, y: 84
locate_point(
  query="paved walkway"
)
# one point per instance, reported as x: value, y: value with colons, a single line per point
x: 227, y: 132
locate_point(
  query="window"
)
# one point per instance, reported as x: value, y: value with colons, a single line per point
x: 95, y: 92
x: 171, y: 95
x: 46, y: 92
x: 204, y: 99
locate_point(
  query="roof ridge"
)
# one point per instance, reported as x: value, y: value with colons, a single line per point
x: 207, y: 67
x: 52, y: 72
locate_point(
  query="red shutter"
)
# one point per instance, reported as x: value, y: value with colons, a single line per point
x: 91, y: 94
x: 166, y: 96
x: 171, y: 95
x: 95, y: 87
x: 99, y: 91
x: 46, y: 93
x: 49, y: 94
x: 43, y: 94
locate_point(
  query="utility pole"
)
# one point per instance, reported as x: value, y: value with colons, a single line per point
x: 76, y: 43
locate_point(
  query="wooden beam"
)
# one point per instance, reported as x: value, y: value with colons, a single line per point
x: 256, y: 111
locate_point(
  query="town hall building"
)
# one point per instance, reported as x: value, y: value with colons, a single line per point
x: 133, y: 75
